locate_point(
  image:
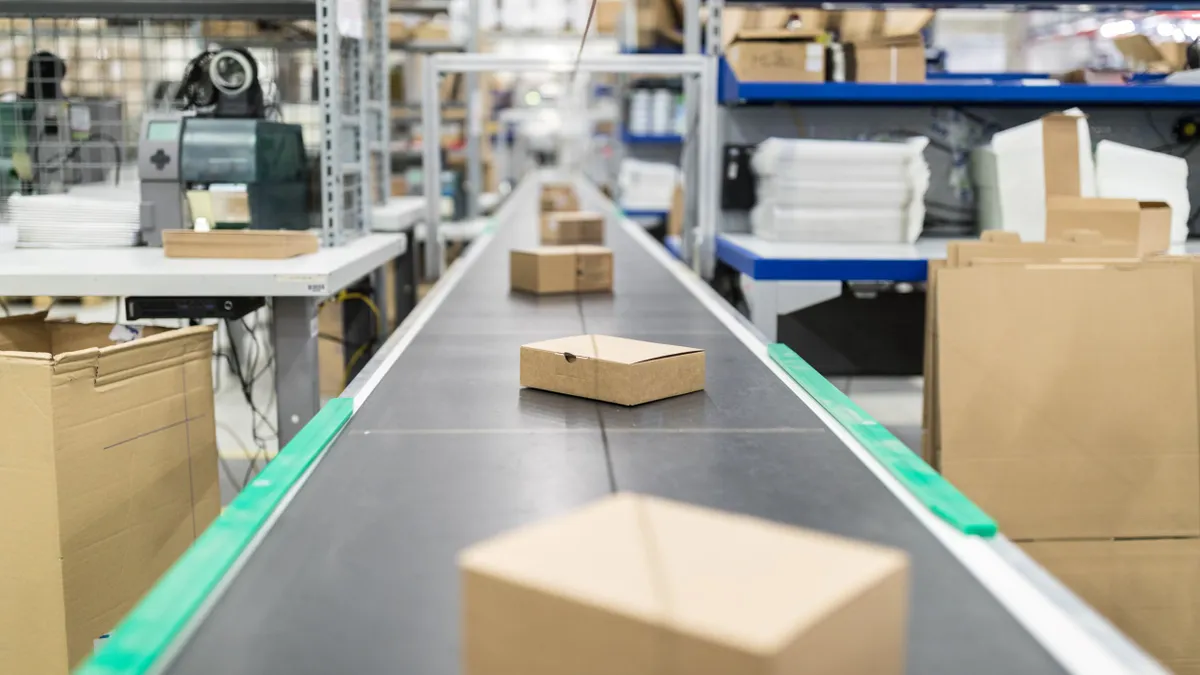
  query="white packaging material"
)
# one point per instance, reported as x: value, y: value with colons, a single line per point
x: 1126, y: 172
x: 647, y: 186
x: 829, y: 225
x: 1021, y: 175
x: 662, y: 121
x: 840, y: 191
x: 640, y: 112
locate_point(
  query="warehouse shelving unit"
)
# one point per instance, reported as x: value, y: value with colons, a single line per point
x: 947, y: 107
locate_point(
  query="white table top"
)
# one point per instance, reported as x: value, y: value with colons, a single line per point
x: 398, y: 215
x: 933, y: 248
x: 923, y: 249
x: 146, y: 271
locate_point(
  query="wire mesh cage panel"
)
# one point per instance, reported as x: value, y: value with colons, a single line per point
x: 74, y: 91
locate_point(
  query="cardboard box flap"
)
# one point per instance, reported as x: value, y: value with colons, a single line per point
x: 25, y: 333
x: 777, y: 35
x: 609, y: 348
x: 1138, y: 48
x: 885, y: 41
x: 1061, y: 153
x: 906, y: 21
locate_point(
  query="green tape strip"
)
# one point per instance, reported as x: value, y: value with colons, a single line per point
x: 927, y: 485
x: 152, y: 626
x: 490, y: 228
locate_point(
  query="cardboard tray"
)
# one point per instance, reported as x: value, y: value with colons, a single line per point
x: 243, y: 244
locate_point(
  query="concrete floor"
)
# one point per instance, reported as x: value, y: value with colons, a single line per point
x: 893, y: 401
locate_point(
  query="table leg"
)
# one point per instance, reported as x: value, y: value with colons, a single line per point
x: 763, y: 299
x: 297, y: 387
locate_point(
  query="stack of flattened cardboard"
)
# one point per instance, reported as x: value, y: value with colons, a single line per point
x: 108, y: 472
x: 1061, y: 396
x: 644, y: 586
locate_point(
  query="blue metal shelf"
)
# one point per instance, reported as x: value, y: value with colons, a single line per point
x: 674, y: 244
x: 956, y: 92
x: 845, y: 267
x: 641, y: 139
x: 644, y: 213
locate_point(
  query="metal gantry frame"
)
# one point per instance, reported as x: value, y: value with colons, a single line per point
x: 352, y: 67
x: 699, y: 66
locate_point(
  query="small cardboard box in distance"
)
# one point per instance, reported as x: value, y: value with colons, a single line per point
x: 561, y: 269
x: 777, y: 55
x: 108, y: 471
x: 644, y: 586
x: 1148, y: 588
x: 572, y: 227
x: 559, y: 197
x: 612, y: 369
x: 898, y: 58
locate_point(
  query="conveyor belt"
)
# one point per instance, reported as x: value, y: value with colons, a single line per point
x: 358, y: 574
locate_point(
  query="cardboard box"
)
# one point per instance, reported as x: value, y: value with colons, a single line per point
x: 561, y: 269
x: 612, y: 369
x: 777, y: 55
x: 1142, y: 54
x: 559, y: 197
x: 573, y: 227
x: 1145, y: 224
x: 241, y: 244
x: 108, y: 470
x: 1149, y: 589
x: 607, y: 20
x: 886, y: 59
x: 676, y: 215
x: 1059, y: 413
x: 586, y: 593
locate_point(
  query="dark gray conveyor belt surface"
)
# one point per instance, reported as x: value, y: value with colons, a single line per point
x: 358, y: 574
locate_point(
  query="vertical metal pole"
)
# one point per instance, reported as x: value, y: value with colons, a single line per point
x: 330, y: 94
x: 294, y: 333
x: 692, y: 104
x: 431, y: 145
x: 700, y: 242
x: 474, y: 121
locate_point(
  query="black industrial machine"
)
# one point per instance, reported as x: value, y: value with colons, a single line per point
x: 219, y: 136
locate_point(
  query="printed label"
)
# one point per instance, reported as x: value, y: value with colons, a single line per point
x: 814, y: 61
x: 317, y: 285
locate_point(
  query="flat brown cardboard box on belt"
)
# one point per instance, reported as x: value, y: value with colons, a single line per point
x: 778, y: 55
x: 561, y: 269
x: 643, y: 586
x: 612, y: 369
x: 572, y: 227
x: 109, y: 459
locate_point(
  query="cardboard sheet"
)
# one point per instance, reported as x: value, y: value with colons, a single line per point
x: 1149, y: 589
x: 1066, y: 397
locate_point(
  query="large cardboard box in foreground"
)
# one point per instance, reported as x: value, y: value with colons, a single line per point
x: 643, y: 586
x: 1148, y: 588
x: 108, y: 472
x: 612, y: 369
